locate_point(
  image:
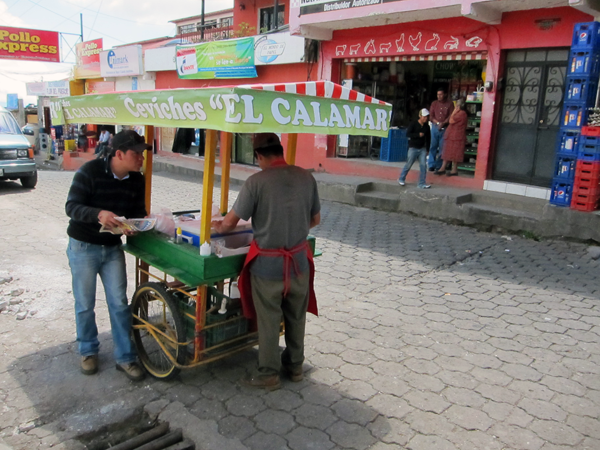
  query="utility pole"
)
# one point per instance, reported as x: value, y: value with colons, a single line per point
x: 202, y: 22
x: 275, y: 24
x: 81, y: 25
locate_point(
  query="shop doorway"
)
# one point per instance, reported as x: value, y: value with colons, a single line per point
x: 530, y: 112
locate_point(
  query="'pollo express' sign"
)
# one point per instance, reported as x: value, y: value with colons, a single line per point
x: 29, y: 45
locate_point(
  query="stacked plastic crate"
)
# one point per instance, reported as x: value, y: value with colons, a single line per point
x: 580, y: 95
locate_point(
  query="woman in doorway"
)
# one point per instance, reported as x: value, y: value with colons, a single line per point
x: 455, y: 139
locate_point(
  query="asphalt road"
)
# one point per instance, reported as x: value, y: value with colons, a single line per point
x: 430, y: 337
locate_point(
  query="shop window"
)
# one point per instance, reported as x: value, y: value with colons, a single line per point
x: 208, y: 24
x: 227, y: 21
x: 267, y: 18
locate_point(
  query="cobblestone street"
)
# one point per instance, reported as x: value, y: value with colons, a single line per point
x: 430, y: 337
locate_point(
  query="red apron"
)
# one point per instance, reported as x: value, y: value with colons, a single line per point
x: 244, y: 282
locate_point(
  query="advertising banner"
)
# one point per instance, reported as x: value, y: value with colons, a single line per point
x: 88, y: 59
x: 99, y: 87
x: 278, y: 48
x: 238, y: 109
x: 232, y: 58
x: 122, y: 62
x: 29, y: 45
x: 49, y: 88
x: 319, y: 6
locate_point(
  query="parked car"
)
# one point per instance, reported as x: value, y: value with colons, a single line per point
x: 16, y: 153
x: 31, y: 132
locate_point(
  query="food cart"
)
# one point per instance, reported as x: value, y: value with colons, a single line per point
x: 184, y: 312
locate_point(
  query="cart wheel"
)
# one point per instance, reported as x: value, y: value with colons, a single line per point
x: 153, y: 304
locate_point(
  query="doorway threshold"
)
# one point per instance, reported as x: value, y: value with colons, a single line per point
x: 523, y: 190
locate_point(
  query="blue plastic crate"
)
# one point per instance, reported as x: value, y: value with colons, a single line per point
x: 582, y: 90
x: 586, y: 35
x: 394, y: 148
x: 567, y: 141
x: 584, y: 62
x: 565, y: 166
x: 574, y: 115
x: 561, y: 192
x: 587, y: 154
x: 590, y: 141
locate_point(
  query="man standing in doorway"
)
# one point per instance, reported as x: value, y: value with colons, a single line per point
x: 277, y: 278
x: 102, y: 190
x: 440, y: 112
x: 418, y: 135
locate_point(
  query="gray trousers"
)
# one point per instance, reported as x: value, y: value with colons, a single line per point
x: 270, y: 306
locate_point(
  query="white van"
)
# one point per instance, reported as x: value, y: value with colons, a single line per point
x: 16, y: 153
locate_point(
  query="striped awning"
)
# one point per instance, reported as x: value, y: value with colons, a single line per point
x: 324, y: 89
x: 471, y: 56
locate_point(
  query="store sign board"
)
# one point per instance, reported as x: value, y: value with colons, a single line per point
x: 278, y: 48
x: 121, y: 62
x: 29, y: 45
x: 228, y: 109
x: 88, y: 59
x: 99, y: 87
x: 319, y: 6
x: 49, y: 88
x: 404, y: 43
x: 231, y: 58
x: 12, y: 101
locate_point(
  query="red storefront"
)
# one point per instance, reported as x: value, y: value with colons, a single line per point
x: 523, y: 59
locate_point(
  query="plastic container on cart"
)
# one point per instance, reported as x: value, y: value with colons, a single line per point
x: 584, y: 62
x: 561, y: 192
x: 586, y: 35
x: 590, y: 130
x: 588, y: 169
x: 585, y: 202
x: 567, y: 141
x: 394, y: 148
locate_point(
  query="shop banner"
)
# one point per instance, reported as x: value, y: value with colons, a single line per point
x: 49, y: 88
x: 278, y: 48
x: 29, y: 45
x: 122, y: 62
x: 318, y: 6
x: 232, y: 58
x: 239, y: 110
x: 99, y: 87
x: 88, y: 59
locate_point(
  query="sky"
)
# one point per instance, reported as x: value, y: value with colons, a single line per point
x: 118, y: 22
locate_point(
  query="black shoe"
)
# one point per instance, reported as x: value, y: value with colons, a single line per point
x: 437, y: 172
x: 432, y: 169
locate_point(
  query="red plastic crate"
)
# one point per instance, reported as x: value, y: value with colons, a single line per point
x: 590, y: 131
x: 591, y: 191
x: 587, y: 169
x: 589, y: 182
x: 582, y: 203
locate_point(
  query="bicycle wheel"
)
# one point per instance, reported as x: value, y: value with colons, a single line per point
x: 157, y: 330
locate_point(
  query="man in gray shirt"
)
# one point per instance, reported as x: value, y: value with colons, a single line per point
x: 283, y: 203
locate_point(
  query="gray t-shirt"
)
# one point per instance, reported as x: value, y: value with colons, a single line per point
x: 281, y: 201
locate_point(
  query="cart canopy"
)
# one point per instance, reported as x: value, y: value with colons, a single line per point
x: 319, y: 107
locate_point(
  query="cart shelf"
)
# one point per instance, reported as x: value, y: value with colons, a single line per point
x: 183, y: 261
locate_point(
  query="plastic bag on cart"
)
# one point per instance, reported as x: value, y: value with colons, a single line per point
x: 164, y: 221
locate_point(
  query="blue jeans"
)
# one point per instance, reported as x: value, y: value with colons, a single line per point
x: 87, y: 261
x: 435, y: 149
x: 413, y: 154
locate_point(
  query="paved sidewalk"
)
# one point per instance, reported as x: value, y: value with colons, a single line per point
x: 431, y: 337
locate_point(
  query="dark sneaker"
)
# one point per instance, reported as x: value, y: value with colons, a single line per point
x: 89, y: 364
x: 432, y: 169
x: 296, y: 374
x: 425, y: 186
x: 268, y: 382
x: 133, y: 371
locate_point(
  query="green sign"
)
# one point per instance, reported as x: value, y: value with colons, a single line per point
x: 231, y: 58
x: 236, y: 109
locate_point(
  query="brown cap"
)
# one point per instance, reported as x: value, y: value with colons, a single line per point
x: 264, y: 140
x: 129, y: 140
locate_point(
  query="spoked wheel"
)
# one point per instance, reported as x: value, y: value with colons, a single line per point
x: 157, y: 330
